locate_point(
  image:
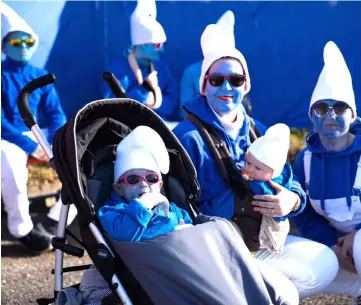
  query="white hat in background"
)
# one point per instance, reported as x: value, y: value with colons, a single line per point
x: 143, y: 148
x: 12, y: 22
x: 218, y: 41
x: 144, y: 28
x: 335, y: 80
x: 272, y: 148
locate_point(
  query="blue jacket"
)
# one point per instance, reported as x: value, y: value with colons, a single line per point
x: 14, y: 76
x: 133, y: 222
x: 123, y: 72
x: 217, y: 198
x: 335, y: 174
x: 264, y: 188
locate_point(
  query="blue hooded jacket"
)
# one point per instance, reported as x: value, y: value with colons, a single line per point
x: 134, y: 222
x: 335, y: 173
x: 14, y: 76
x: 217, y: 197
x: 123, y: 72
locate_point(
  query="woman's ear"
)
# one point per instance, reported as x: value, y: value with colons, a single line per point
x: 117, y: 189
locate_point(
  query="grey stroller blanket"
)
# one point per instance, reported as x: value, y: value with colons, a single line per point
x: 204, y: 264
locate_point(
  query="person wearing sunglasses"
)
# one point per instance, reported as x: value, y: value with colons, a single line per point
x: 189, y: 85
x: 144, y: 76
x: 19, y: 43
x: 224, y: 82
x: 329, y: 169
x: 136, y: 209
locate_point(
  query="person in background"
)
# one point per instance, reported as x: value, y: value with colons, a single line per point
x: 19, y: 42
x: 144, y: 76
x: 329, y: 169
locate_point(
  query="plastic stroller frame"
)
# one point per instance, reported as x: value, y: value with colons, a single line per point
x: 58, y: 242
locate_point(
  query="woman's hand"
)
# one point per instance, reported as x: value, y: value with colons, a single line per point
x: 277, y: 205
x: 345, y: 262
x: 346, y: 243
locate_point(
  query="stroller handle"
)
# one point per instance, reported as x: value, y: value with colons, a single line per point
x: 25, y: 112
x: 114, y: 85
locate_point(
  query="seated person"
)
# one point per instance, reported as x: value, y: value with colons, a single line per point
x: 266, y: 165
x: 144, y: 76
x: 136, y: 209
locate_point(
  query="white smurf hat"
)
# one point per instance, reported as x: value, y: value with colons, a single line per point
x: 12, y: 22
x: 218, y: 41
x: 142, y: 148
x: 335, y: 81
x: 272, y: 148
x: 144, y: 28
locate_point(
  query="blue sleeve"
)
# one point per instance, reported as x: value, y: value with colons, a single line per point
x: 12, y: 134
x: 125, y: 221
x: 54, y: 114
x: 297, y: 188
x: 169, y: 90
x: 223, y: 204
x: 311, y: 224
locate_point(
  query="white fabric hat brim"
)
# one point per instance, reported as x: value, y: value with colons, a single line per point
x: 142, y: 148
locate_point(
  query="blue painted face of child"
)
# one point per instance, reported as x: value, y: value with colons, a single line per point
x: 332, y: 125
x: 224, y: 98
x: 19, y: 46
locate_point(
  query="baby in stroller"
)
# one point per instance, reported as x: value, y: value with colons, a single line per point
x: 136, y: 209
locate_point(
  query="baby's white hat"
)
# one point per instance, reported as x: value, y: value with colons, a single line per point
x: 142, y: 148
x: 144, y: 28
x: 272, y: 148
x: 335, y: 81
x: 218, y: 41
x: 12, y: 22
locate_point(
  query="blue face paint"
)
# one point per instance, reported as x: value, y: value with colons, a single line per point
x: 225, y: 98
x: 149, y: 52
x: 21, y: 53
x: 332, y: 125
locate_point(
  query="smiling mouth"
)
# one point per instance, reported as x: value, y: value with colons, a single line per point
x: 226, y: 98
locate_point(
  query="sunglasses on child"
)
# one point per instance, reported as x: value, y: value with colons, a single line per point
x: 17, y: 42
x: 217, y: 80
x: 322, y: 109
x: 134, y: 179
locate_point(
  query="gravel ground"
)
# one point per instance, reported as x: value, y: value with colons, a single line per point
x: 26, y: 277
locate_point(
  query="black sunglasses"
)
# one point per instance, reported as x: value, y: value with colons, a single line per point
x: 322, y: 109
x: 216, y: 80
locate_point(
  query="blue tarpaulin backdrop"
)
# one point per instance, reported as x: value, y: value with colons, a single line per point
x: 282, y: 42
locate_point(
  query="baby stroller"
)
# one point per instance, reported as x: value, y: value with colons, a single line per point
x: 183, y: 267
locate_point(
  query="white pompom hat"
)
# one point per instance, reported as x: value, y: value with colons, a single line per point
x: 217, y: 41
x: 335, y: 81
x: 144, y: 28
x: 143, y: 148
x: 272, y: 148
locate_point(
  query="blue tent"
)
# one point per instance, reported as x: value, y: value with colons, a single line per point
x: 282, y: 42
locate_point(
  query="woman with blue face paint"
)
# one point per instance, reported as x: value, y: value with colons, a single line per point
x: 329, y: 169
x: 19, y: 43
x: 224, y: 82
x: 189, y: 85
x: 142, y: 74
